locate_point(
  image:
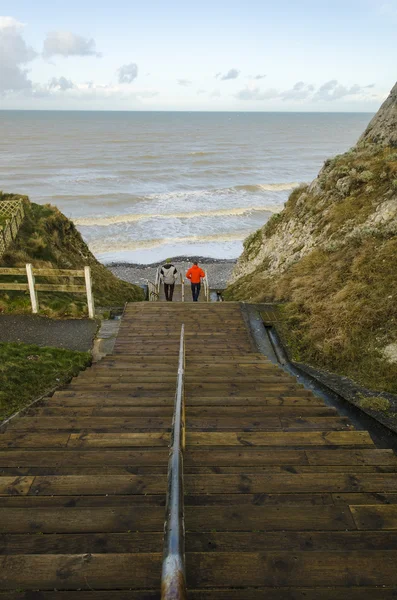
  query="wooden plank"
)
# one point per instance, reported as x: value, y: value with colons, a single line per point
x: 11, y: 486
x: 54, y: 458
x: 14, y: 286
x: 290, y: 569
x: 64, y: 543
x: 377, y: 516
x: 54, y: 287
x: 290, y: 482
x: 12, y: 271
x: 123, y: 519
x: 351, y: 457
x: 365, y: 498
x: 242, y: 457
x: 87, y: 423
x: 310, y: 541
x: 65, y: 485
x: 114, y: 440
x: 295, y: 593
x: 58, y: 272
x: 68, y: 572
x: 312, y: 438
x: 248, y: 518
x: 27, y: 440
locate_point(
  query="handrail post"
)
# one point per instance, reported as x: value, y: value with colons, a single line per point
x: 90, y: 297
x: 173, y: 582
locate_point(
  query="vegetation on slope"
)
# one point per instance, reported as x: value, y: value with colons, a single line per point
x: 337, y: 279
x: 48, y: 239
x: 28, y: 371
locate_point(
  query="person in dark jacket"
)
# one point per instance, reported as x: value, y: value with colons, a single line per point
x: 168, y: 275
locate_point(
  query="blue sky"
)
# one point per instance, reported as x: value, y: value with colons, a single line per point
x: 254, y: 55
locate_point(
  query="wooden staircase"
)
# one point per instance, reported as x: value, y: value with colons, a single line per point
x: 284, y: 499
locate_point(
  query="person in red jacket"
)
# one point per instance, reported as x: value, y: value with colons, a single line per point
x: 195, y: 274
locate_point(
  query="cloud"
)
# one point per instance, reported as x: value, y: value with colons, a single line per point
x: 184, y: 82
x: 199, y: 92
x: 333, y: 90
x: 232, y: 74
x: 256, y: 94
x: 300, y: 91
x: 127, y: 73
x: 66, y: 43
x: 14, y: 55
x: 215, y: 94
x: 259, y: 76
x: 62, y: 84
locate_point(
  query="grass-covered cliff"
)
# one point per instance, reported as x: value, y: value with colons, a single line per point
x: 331, y: 258
x: 48, y: 239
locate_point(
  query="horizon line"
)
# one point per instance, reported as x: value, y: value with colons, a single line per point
x: 319, y: 112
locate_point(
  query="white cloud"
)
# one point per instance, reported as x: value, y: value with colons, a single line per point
x: 300, y: 91
x: 184, y: 82
x: 256, y: 94
x: 62, y: 84
x: 333, y: 90
x: 199, y: 92
x: 66, y: 43
x: 215, y: 94
x: 259, y: 76
x: 231, y: 74
x: 14, y: 55
x: 127, y: 73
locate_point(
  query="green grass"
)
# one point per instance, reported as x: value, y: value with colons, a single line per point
x: 28, y: 371
x: 339, y: 300
x: 48, y: 239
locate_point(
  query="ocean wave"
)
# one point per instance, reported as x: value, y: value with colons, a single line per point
x: 269, y: 187
x: 133, y: 218
x: 202, y: 153
x: 109, y: 245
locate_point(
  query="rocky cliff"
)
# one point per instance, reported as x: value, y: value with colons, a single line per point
x: 49, y: 239
x: 331, y: 257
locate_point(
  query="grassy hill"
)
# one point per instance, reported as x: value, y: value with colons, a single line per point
x: 331, y: 258
x: 48, y: 239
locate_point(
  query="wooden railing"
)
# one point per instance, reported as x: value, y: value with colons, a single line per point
x: 173, y: 581
x: 12, y: 213
x: 32, y: 287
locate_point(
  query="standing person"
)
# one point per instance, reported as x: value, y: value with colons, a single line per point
x: 195, y: 274
x: 168, y: 275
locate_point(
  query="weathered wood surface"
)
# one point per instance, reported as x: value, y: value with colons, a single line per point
x: 285, y: 499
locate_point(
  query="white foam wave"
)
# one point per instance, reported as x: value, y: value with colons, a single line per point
x: 109, y: 245
x: 133, y: 218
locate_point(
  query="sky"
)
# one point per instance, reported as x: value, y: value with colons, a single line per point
x: 218, y: 55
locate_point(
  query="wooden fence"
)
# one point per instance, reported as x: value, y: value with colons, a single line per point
x: 34, y: 287
x: 12, y: 212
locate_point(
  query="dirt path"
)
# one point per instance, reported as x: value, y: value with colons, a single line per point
x: 74, y: 334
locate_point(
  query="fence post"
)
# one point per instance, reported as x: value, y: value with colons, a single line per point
x: 90, y: 297
x: 32, y: 291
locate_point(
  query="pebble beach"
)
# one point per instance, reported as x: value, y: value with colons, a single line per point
x: 218, y: 271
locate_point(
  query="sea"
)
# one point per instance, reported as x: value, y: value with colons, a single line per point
x: 144, y: 186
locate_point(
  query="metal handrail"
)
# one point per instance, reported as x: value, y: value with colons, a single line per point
x: 182, y: 288
x: 206, y: 287
x: 153, y: 294
x: 173, y: 581
x: 157, y: 281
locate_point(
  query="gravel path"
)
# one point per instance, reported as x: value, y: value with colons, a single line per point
x: 219, y: 271
x: 74, y: 334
